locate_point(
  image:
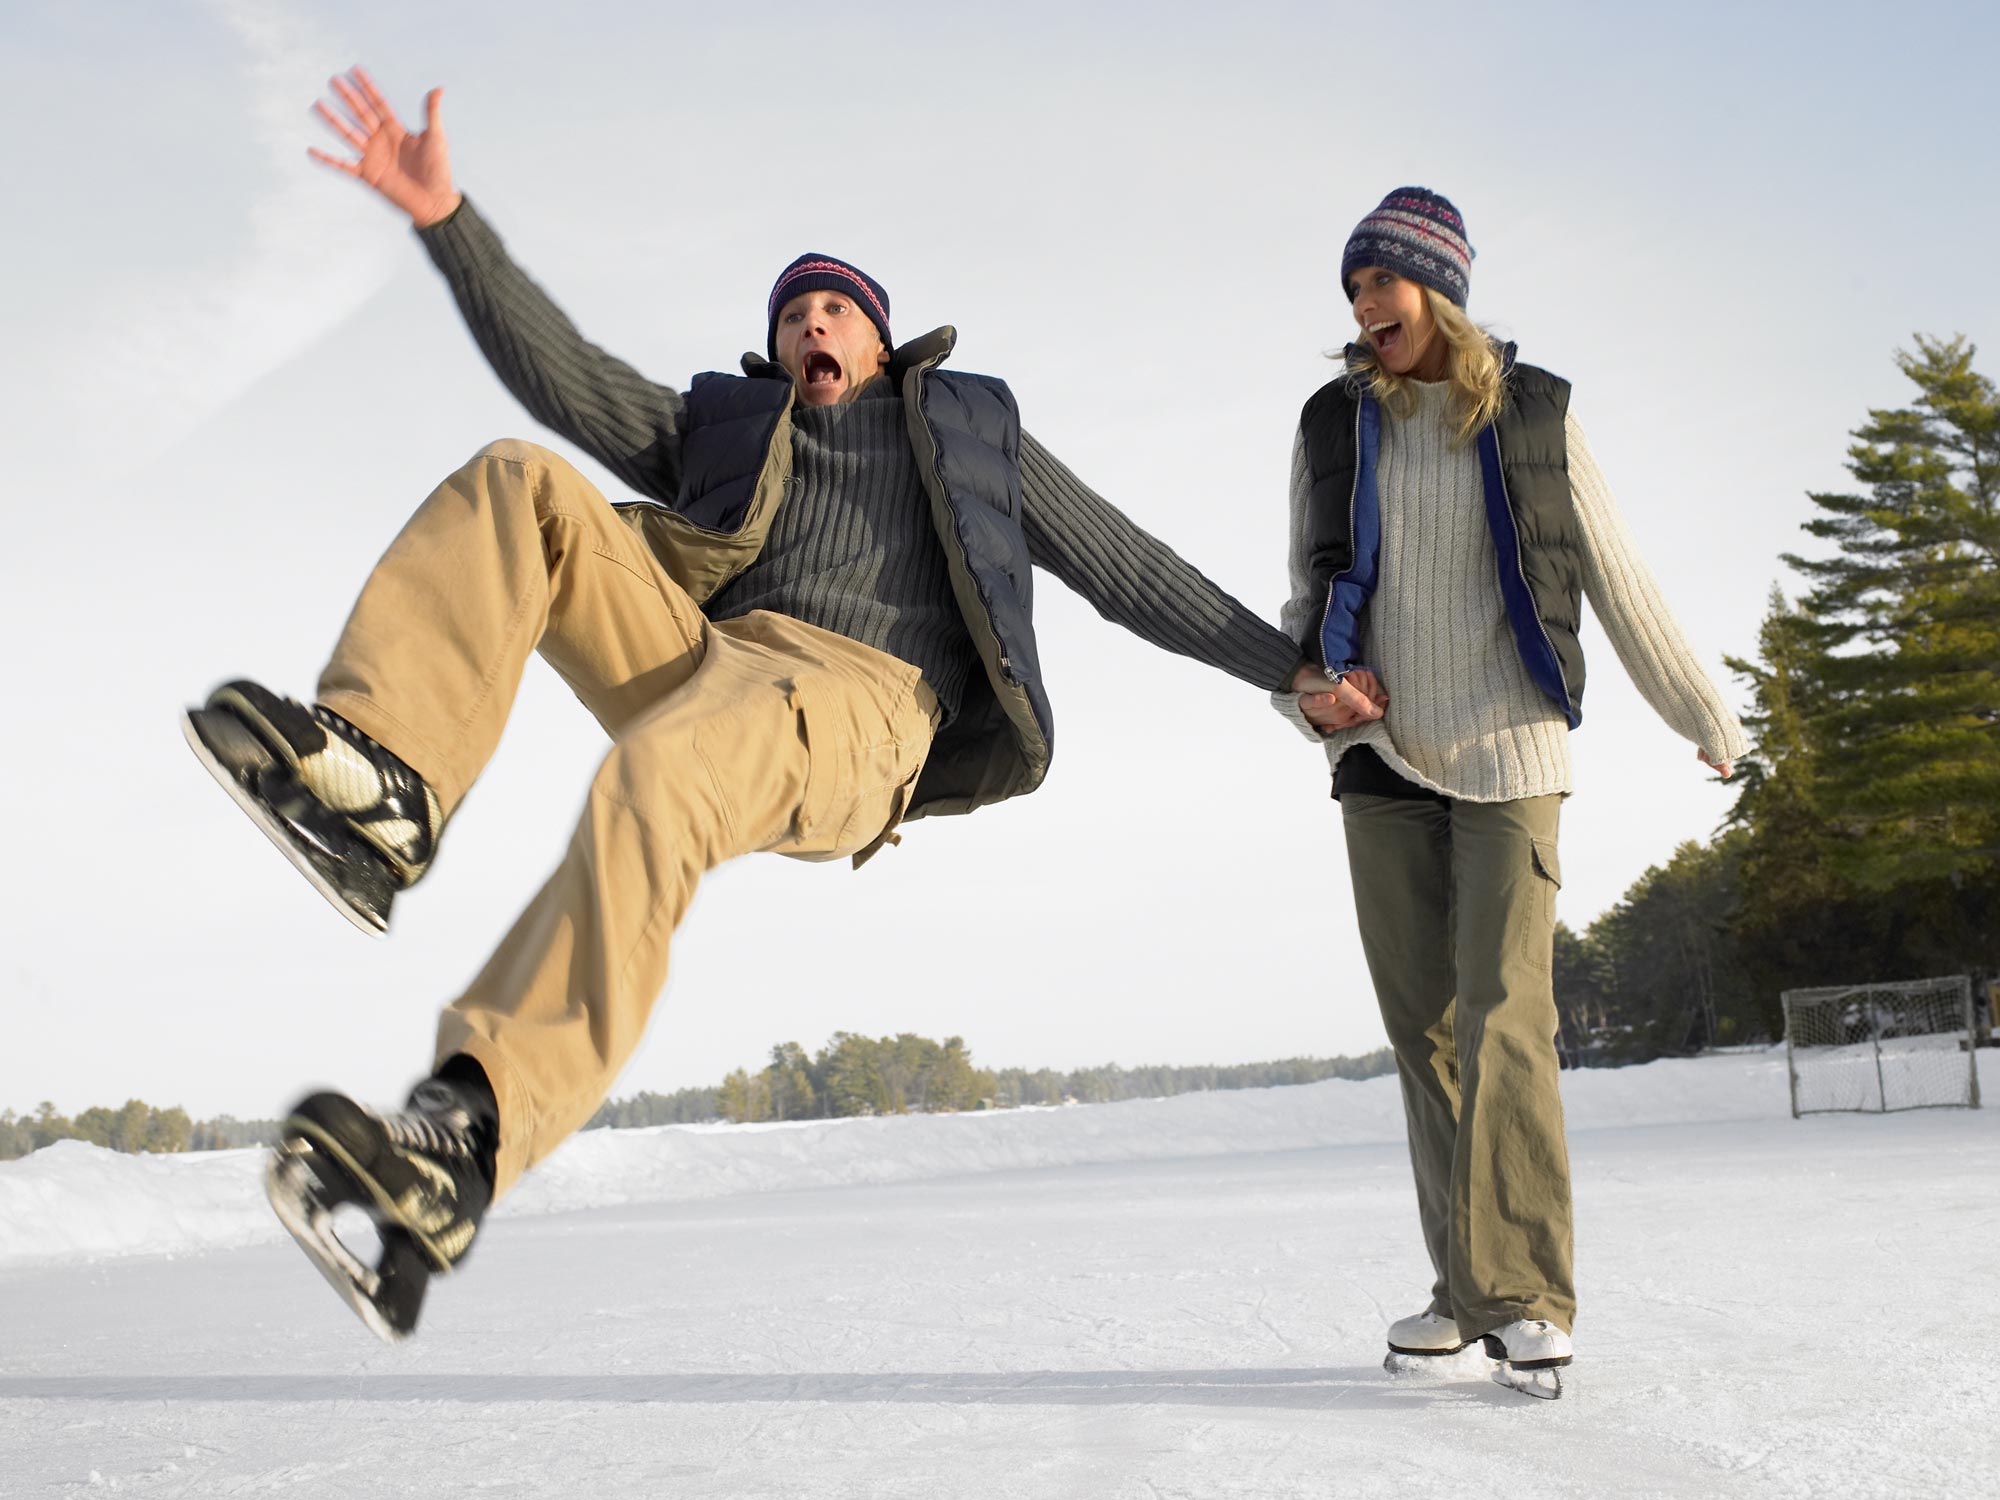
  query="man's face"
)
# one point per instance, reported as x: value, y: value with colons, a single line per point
x: 828, y: 346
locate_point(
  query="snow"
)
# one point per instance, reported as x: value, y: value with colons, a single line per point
x: 1182, y: 1297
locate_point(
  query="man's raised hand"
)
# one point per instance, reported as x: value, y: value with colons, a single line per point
x: 411, y: 171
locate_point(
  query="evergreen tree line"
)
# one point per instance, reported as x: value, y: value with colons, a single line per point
x: 858, y: 1075
x: 1864, y: 842
x: 136, y: 1126
x: 852, y: 1075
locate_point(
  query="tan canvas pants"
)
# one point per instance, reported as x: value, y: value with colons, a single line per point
x: 759, y: 733
x: 1456, y: 903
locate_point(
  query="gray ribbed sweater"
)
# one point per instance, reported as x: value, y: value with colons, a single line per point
x: 1464, y: 718
x: 852, y: 549
x: 633, y: 426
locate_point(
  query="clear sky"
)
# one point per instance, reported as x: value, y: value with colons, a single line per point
x: 228, y: 374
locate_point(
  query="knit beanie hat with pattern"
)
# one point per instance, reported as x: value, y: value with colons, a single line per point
x: 1417, y: 234
x: 822, y: 273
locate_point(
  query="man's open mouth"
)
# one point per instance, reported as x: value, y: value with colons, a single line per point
x: 821, y: 369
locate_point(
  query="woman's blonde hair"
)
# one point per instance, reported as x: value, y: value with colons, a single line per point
x: 1472, y: 369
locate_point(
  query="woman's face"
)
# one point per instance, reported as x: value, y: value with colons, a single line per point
x: 1395, y: 318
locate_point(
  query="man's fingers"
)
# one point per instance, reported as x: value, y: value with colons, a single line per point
x: 1370, y: 684
x: 351, y: 168
x: 432, y: 119
x: 341, y: 128
x: 359, y: 107
x: 1356, y: 701
x: 376, y: 102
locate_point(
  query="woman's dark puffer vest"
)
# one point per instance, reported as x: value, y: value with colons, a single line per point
x: 736, y: 459
x: 1524, y: 463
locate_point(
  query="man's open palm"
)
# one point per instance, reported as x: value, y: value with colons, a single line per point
x: 411, y: 171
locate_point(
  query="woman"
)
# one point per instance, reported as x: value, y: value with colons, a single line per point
x: 1447, y: 521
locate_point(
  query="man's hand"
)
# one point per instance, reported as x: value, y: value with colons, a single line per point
x: 1328, y: 705
x: 411, y: 171
x: 1721, y: 768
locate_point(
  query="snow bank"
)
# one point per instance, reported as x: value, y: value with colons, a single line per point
x: 77, y: 1202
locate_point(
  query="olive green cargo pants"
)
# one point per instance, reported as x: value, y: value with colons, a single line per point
x: 1456, y: 902
x: 758, y: 733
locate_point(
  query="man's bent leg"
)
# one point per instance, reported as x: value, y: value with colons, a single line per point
x: 784, y: 738
x: 515, y: 550
x: 1511, y: 1251
x: 1399, y: 854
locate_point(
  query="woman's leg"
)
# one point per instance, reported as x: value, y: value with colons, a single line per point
x: 1399, y: 855
x: 1511, y: 1240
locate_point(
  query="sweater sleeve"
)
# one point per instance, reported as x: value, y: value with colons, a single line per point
x: 628, y: 423
x: 1628, y: 604
x: 1135, y: 580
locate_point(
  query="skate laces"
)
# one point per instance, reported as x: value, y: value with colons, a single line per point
x: 434, y: 1122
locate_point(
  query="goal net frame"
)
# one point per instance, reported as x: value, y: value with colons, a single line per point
x: 1882, y: 1048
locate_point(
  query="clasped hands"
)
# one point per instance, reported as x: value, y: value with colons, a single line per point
x: 1328, y: 705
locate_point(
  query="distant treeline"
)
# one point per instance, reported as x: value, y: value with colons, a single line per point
x: 136, y: 1126
x: 858, y: 1075
x: 852, y: 1075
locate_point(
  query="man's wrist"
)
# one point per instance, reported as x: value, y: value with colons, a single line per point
x: 438, y: 212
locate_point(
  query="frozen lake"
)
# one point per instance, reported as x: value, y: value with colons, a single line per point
x: 1769, y: 1307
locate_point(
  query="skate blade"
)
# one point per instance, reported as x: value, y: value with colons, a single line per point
x: 385, y: 1297
x: 1468, y: 1362
x: 295, y: 844
x: 1545, y: 1382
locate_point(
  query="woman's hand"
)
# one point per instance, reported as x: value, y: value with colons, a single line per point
x: 1721, y: 768
x: 1328, y: 705
x: 411, y: 171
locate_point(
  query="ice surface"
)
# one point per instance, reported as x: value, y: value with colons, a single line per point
x: 1185, y: 1298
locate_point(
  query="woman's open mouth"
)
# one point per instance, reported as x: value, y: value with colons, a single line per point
x: 1384, y: 336
x: 821, y: 369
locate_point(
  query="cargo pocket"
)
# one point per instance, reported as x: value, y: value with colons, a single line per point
x: 818, y: 791
x: 855, y: 794
x: 1538, y: 924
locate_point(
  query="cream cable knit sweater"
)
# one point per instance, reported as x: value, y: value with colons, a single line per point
x: 1464, y: 719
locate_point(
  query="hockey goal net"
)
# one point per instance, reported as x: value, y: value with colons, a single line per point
x: 1882, y: 1047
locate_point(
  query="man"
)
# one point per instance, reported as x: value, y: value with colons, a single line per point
x: 809, y: 622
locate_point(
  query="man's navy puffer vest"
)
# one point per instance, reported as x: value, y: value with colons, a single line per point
x: 1524, y: 464
x: 966, y: 432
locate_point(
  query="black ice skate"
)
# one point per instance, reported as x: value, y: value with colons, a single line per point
x: 423, y: 1175
x: 358, y: 822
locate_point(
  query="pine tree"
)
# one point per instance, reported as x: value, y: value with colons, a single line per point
x: 1905, y: 628
x: 1799, y: 918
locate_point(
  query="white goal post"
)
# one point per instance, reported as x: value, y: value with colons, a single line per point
x: 1882, y: 1047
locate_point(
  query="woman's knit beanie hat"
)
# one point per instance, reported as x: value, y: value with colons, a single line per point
x: 1417, y: 234
x: 822, y: 273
